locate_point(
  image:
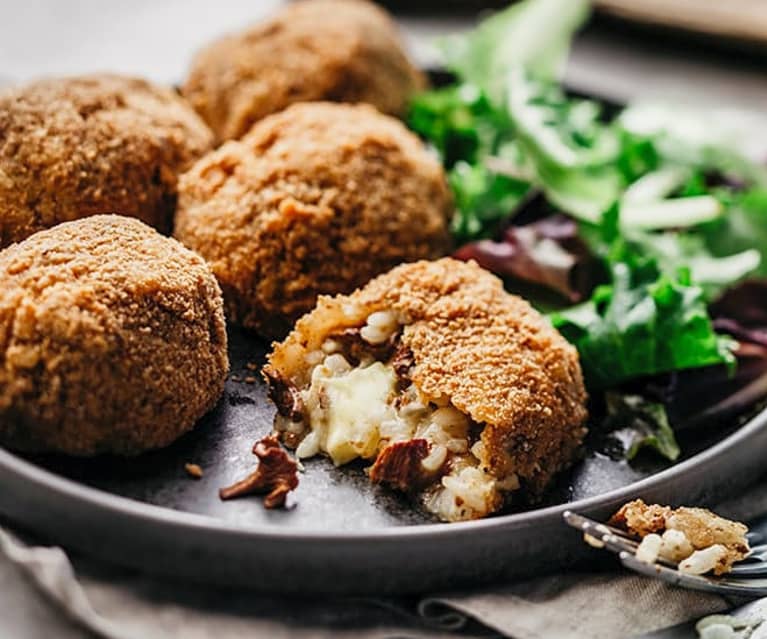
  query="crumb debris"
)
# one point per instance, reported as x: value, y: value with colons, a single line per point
x: 276, y: 475
x: 250, y: 379
x: 251, y: 366
x: 194, y: 471
x: 235, y: 399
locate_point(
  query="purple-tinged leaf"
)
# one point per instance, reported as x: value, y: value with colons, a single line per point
x: 548, y: 253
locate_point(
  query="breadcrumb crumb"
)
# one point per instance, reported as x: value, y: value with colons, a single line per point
x: 194, y: 470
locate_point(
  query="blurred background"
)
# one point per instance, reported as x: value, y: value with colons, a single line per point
x: 694, y: 51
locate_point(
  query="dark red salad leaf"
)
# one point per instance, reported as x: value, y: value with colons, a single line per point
x: 745, y: 303
x: 548, y: 253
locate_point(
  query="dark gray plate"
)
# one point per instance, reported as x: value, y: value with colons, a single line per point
x: 340, y: 534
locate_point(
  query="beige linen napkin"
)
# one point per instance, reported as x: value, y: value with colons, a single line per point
x: 45, y: 595
x: 581, y: 606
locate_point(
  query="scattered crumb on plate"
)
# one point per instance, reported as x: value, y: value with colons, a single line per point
x: 194, y: 470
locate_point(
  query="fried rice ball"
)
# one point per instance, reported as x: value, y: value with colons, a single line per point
x: 314, y: 200
x: 112, y: 339
x: 337, y: 50
x: 458, y: 392
x: 79, y: 146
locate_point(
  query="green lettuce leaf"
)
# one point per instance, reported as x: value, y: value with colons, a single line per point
x: 508, y: 129
x: 572, y: 154
x: 675, y: 251
x: 742, y: 228
x: 669, y: 252
x: 638, y: 423
x: 638, y: 325
x: 483, y: 198
x: 458, y: 121
x: 705, y: 139
x: 558, y: 130
x: 534, y: 34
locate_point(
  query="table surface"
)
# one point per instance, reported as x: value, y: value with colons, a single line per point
x: 157, y: 40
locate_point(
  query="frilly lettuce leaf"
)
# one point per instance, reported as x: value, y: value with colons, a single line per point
x: 533, y: 34
x: 637, y: 326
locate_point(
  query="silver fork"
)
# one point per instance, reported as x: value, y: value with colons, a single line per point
x: 747, y: 578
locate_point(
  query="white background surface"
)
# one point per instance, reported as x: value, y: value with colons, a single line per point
x: 153, y: 39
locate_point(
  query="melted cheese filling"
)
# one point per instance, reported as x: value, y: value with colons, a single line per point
x: 355, y: 412
x: 346, y: 411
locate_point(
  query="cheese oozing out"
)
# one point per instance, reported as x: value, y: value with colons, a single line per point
x: 354, y: 412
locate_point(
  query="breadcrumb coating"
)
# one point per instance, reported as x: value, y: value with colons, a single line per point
x: 314, y: 200
x: 80, y: 146
x: 337, y: 50
x: 641, y: 519
x: 112, y: 339
x: 495, y: 358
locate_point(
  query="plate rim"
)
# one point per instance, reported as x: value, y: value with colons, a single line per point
x: 165, y: 516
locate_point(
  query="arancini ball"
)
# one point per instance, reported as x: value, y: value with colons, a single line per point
x: 337, y: 50
x: 112, y: 339
x: 459, y: 393
x: 314, y: 200
x: 79, y: 146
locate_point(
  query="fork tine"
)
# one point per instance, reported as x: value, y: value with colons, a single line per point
x: 754, y: 537
x: 595, y: 527
x: 617, y: 544
x: 613, y: 539
x: 745, y: 569
x: 747, y: 587
x: 577, y: 521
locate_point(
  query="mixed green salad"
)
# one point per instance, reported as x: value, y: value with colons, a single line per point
x: 639, y: 231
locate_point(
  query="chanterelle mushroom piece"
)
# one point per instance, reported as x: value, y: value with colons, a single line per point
x: 276, y: 475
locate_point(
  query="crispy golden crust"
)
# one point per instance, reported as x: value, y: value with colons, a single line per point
x: 74, y: 147
x: 489, y: 352
x: 314, y: 200
x: 704, y: 528
x: 337, y: 50
x: 640, y: 519
x: 112, y: 339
